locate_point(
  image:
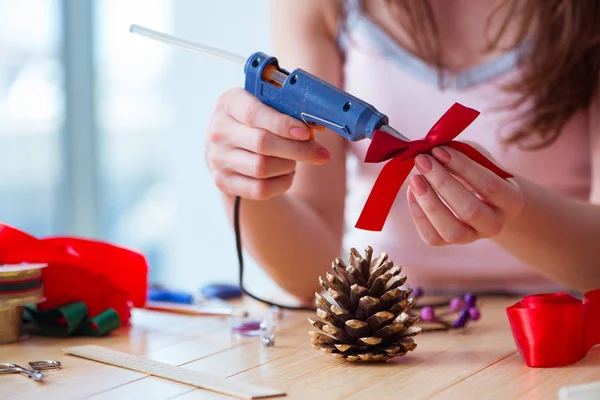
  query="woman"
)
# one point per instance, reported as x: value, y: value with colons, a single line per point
x: 530, y: 67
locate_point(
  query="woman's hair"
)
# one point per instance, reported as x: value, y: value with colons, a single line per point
x: 561, y: 66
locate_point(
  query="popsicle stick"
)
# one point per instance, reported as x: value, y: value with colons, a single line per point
x: 171, y: 372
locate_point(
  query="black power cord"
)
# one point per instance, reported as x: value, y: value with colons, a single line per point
x: 240, y: 254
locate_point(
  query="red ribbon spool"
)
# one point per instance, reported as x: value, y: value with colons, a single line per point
x: 402, y: 154
x: 99, y: 274
x: 555, y: 330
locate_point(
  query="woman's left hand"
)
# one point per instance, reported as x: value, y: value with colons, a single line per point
x: 476, y: 202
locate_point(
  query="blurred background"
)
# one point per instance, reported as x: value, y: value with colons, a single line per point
x: 102, y: 131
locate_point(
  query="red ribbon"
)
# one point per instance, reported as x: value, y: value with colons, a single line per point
x: 554, y: 330
x: 402, y: 155
x: 99, y: 274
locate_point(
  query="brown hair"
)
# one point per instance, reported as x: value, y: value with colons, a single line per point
x: 561, y: 66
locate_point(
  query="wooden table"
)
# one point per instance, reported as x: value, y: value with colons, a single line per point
x: 480, y: 363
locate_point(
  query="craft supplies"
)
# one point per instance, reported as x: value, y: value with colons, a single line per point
x: 71, y: 319
x: 180, y: 302
x: 321, y: 105
x: 541, y: 321
x: 194, y: 310
x: 35, y: 372
x: 297, y: 93
x: 245, y: 326
x: 101, y: 275
x: 368, y: 320
x: 162, y: 294
x: 464, y: 309
x: 222, y: 291
x: 268, y: 327
x: 401, y: 155
x: 586, y: 391
x: 20, y: 285
x: 171, y: 372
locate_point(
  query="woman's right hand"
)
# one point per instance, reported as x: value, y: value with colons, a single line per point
x: 252, y: 149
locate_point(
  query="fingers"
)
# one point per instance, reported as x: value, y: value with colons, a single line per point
x: 433, y: 214
x: 263, y: 142
x: 481, y: 217
x: 225, y: 131
x: 426, y: 230
x: 254, y: 165
x: 252, y: 149
x: 252, y: 188
x: 503, y: 194
x: 248, y: 110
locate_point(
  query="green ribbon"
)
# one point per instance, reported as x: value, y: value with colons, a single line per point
x: 71, y: 320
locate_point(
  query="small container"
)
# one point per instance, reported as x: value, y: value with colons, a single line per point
x: 13, y: 297
x: 11, y: 324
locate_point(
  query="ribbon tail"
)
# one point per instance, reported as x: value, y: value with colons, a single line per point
x: 476, y: 156
x: 453, y: 122
x: 383, y: 194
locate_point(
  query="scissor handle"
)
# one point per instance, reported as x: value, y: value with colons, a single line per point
x: 45, y: 365
x: 7, y: 368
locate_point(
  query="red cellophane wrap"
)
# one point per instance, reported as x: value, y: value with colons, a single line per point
x: 554, y: 330
x: 99, y: 274
x: 402, y: 155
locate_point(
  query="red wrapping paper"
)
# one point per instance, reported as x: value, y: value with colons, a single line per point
x: 555, y: 330
x: 99, y: 274
x: 402, y: 155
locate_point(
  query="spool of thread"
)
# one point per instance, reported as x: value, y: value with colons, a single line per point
x: 20, y: 285
x: 11, y: 324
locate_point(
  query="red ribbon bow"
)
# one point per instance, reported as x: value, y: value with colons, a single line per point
x: 99, y: 274
x: 402, y: 155
x: 554, y: 330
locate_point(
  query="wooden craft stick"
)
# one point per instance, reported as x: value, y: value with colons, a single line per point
x: 185, y: 309
x: 171, y: 372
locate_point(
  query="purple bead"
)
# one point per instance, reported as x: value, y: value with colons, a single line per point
x: 460, y: 322
x: 464, y: 314
x: 427, y: 313
x: 417, y: 292
x: 470, y: 299
x: 455, y: 304
x: 474, y: 313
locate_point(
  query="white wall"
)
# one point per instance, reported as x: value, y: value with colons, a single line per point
x: 201, y: 247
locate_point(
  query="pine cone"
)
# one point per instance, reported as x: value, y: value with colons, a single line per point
x: 368, y: 319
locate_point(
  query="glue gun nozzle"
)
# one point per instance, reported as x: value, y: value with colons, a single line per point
x: 391, y: 131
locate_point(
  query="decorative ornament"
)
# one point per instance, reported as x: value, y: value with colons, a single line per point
x: 464, y: 309
x: 400, y: 160
x: 367, y: 319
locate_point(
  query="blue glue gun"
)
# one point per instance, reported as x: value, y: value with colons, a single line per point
x: 312, y: 100
x: 299, y: 94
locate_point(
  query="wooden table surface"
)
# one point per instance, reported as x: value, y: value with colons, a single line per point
x: 481, y: 363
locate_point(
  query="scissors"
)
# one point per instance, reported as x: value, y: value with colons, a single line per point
x: 36, y: 368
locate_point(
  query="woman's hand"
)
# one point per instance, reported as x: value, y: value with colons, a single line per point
x: 252, y: 149
x: 476, y: 202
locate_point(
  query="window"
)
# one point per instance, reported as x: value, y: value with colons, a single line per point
x: 102, y: 131
x: 134, y: 120
x: 31, y: 114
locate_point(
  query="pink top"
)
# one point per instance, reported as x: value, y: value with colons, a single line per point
x: 380, y: 72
